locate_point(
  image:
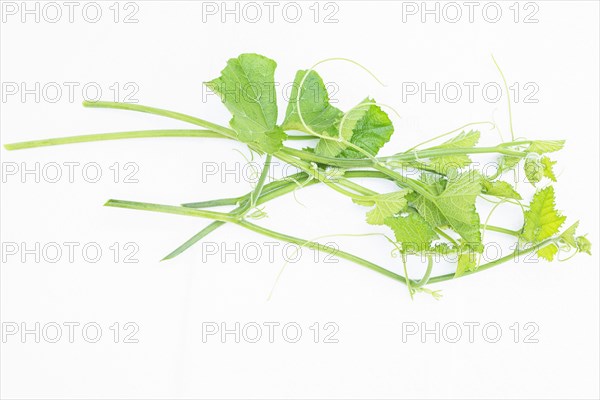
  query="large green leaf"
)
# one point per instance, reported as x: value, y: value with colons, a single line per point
x: 542, y: 220
x: 247, y: 88
x: 370, y: 132
x: 455, y: 207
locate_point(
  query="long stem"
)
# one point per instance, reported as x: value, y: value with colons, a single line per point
x: 320, y: 247
x: 191, y: 212
x: 515, y: 254
x: 314, y: 245
x: 196, y: 133
x: 264, y: 231
x: 164, y: 113
x: 255, y: 194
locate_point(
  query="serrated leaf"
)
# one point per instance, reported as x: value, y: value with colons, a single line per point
x: 547, y: 168
x: 545, y: 146
x: 542, y: 220
x: 247, y: 88
x: 317, y: 112
x: 386, y: 205
x: 584, y: 245
x: 569, y: 235
x: 500, y: 189
x: 412, y: 231
x: 455, y: 207
x: 548, y: 252
x: 464, y: 139
x: 370, y: 132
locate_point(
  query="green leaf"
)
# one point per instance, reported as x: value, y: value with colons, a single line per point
x: 455, y: 207
x: 534, y: 170
x: 506, y: 163
x: 370, y: 132
x: 542, y: 220
x: 318, y: 114
x: 548, y: 252
x: 500, y: 189
x: 386, y: 205
x: 269, y: 142
x: 463, y: 140
x: 332, y: 148
x: 412, y: 231
x: 584, y: 245
x: 545, y: 146
x: 547, y: 168
x: 467, y: 261
x: 247, y: 88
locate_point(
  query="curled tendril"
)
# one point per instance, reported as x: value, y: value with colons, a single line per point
x: 510, y: 119
x: 573, y: 254
x: 259, y: 213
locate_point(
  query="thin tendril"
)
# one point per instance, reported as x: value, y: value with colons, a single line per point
x: 512, y: 133
x: 312, y: 132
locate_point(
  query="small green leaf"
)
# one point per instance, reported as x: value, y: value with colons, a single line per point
x: 547, y: 166
x: 545, y: 146
x: 584, y: 245
x: 548, y: 252
x: 542, y: 220
x: 534, y: 170
x: 569, y: 235
x: 467, y: 261
x: 386, y: 205
x: 412, y: 231
x: 506, y: 163
x: 463, y: 140
x: 500, y: 189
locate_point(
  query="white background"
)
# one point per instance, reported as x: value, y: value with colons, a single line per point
x: 168, y: 54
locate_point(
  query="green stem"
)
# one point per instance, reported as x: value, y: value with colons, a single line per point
x: 255, y: 194
x: 191, y: 241
x: 320, y: 247
x: 264, y: 231
x: 309, y: 244
x: 229, y: 201
x: 164, y: 113
x: 425, y: 279
x: 191, y: 212
x: 196, y: 133
x: 502, y: 230
x: 515, y: 254
x: 400, y: 157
